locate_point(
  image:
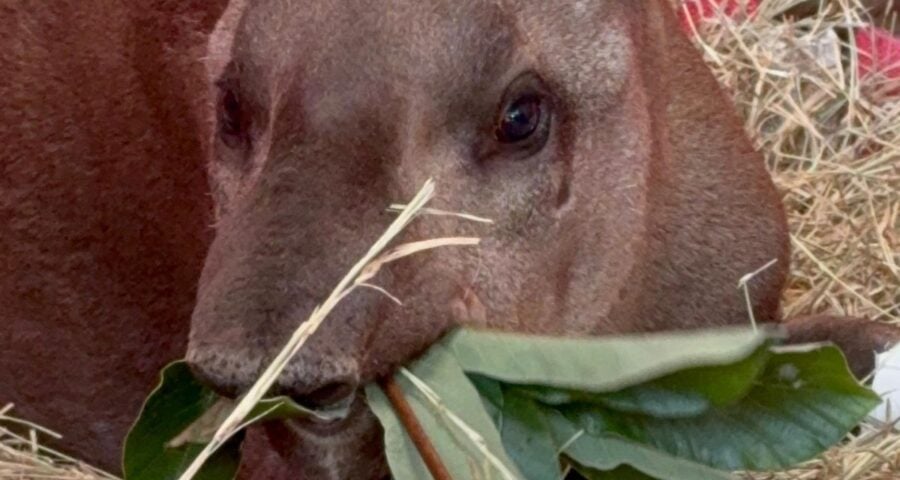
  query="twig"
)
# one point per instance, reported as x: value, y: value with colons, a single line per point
x: 476, y: 438
x: 416, y: 433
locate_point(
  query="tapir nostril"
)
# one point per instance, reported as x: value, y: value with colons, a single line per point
x: 227, y: 375
x: 328, y: 394
x: 221, y: 383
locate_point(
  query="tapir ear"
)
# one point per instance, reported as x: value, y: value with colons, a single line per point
x: 715, y: 215
x: 674, y: 69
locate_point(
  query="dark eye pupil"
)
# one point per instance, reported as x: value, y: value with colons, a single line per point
x: 231, y: 119
x: 231, y: 112
x: 520, y: 120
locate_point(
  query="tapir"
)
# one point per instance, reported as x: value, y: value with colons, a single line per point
x: 625, y: 197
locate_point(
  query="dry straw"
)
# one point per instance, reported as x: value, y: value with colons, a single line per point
x: 832, y: 143
x: 23, y: 457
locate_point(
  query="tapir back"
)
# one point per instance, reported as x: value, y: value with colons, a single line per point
x: 103, y: 210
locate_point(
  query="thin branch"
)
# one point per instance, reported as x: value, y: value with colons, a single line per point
x: 417, y: 434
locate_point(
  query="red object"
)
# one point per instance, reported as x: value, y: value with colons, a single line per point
x: 879, y: 52
x: 697, y: 11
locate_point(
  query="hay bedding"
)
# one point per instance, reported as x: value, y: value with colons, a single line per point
x: 22, y: 457
x: 821, y: 97
x: 817, y: 101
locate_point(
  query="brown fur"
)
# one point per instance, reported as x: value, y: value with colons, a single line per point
x: 663, y: 207
x: 641, y: 212
x: 103, y: 211
x: 860, y: 338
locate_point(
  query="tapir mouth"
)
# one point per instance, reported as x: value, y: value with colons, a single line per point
x: 352, y: 404
x: 350, y: 447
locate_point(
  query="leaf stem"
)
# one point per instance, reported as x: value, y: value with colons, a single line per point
x: 416, y: 433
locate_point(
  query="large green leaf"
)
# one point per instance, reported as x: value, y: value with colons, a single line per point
x: 803, y: 403
x: 181, y: 415
x: 738, y: 406
x: 665, y: 406
x: 596, y: 456
x: 622, y: 473
x: 174, y: 405
x: 524, y: 429
x: 603, y: 364
x: 681, y: 394
x: 441, y: 372
x: 536, y: 436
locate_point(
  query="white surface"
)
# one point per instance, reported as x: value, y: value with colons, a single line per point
x: 886, y: 382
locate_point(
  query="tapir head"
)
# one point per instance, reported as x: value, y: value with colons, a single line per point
x: 623, y: 193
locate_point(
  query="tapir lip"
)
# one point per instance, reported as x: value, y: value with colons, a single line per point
x: 319, y: 427
x: 353, y: 403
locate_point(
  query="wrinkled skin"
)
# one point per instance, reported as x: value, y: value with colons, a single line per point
x: 635, y: 205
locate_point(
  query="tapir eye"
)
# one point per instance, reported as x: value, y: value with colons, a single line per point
x: 523, y: 118
x: 520, y: 119
x: 233, y: 122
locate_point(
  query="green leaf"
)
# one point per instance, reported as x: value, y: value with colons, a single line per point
x: 459, y: 453
x: 598, y: 365
x: 181, y: 415
x: 173, y: 406
x: 621, y: 473
x: 681, y: 394
x: 536, y: 435
x: 605, y: 453
x: 735, y: 406
x: 803, y: 403
x: 665, y: 406
x: 279, y: 408
x: 525, y: 431
x: 204, y: 428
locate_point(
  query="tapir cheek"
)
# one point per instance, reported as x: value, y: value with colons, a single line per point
x: 404, y: 332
